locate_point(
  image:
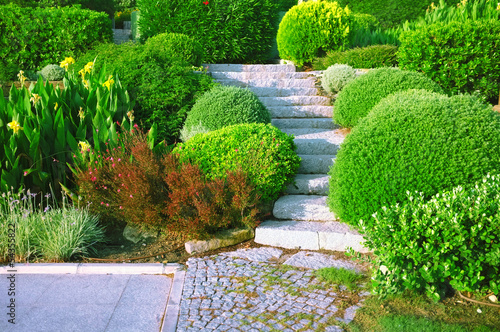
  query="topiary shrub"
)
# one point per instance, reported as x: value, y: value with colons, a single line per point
x: 451, y: 55
x: 230, y: 31
x: 263, y: 151
x: 429, y: 245
x: 168, y: 46
x: 224, y: 106
x: 311, y: 29
x: 336, y: 77
x: 374, y: 56
x: 357, y: 99
x: 52, y: 72
x: 413, y: 140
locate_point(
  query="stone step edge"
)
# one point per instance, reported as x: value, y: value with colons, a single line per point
x: 92, y: 268
x: 309, y: 235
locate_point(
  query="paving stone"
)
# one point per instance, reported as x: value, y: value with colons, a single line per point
x: 314, y: 260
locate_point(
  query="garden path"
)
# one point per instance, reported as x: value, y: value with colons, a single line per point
x: 302, y: 219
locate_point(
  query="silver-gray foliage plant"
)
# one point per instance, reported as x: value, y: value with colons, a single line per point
x: 52, y: 73
x: 336, y: 77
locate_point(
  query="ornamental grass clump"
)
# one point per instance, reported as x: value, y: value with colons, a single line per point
x: 336, y: 77
x: 224, y: 106
x: 414, y: 140
x: 428, y: 245
x: 357, y: 99
x: 263, y: 151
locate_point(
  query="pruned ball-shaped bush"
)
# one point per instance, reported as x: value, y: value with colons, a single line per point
x: 425, y: 244
x: 311, y: 29
x: 52, y: 72
x: 356, y: 100
x: 262, y: 151
x: 224, y: 106
x: 167, y: 46
x: 413, y: 140
x: 336, y: 77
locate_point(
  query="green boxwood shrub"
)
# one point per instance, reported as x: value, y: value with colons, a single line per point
x: 452, y: 56
x: 357, y: 99
x: 449, y: 240
x: 230, y: 31
x: 263, y: 151
x: 336, y: 77
x: 52, y: 72
x: 311, y: 29
x: 374, y: 56
x: 167, y: 46
x: 413, y: 140
x: 164, y: 90
x: 32, y: 38
x: 224, y: 106
x: 106, y: 6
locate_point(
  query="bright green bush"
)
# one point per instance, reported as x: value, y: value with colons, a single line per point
x: 264, y: 152
x: 167, y: 46
x: 364, y: 21
x: 42, y: 128
x: 374, y: 56
x: 106, y: 6
x: 336, y: 77
x: 311, y: 29
x: 357, y: 99
x: 224, y: 106
x: 32, y: 38
x: 164, y: 90
x: 450, y: 239
x: 230, y: 31
x: 52, y: 72
x: 452, y: 56
x: 413, y: 140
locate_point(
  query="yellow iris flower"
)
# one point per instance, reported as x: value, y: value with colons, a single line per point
x: 84, y: 146
x: 109, y: 82
x: 88, y: 67
x: 35, y: 99
x: 68, y: 61
x: 15, y: 126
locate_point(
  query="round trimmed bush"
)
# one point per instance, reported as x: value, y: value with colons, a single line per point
x: 224, y: 106
x: 413, y: 140
x: 52, y: 72
x: 167, y: 46
x: 356, y: 100
x: 336, y: 77
x: 263, y: 151
x: 311, y: 29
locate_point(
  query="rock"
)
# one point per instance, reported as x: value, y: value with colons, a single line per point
x: 255, y: 254
x: 314, y: 260
x: 135, y: 234
x: 223, y: 239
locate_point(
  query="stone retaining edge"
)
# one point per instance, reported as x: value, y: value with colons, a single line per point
x: 91, y: 268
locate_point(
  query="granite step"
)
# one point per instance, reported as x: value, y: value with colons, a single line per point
x: 295, y: 101
x: 271, y: 83
x: 310, y: 111
x: 283, y: 92
x: 309, y: 184
x: 224, y: 75
x: 249, y: 68
x: 305, y: 124
x: 303, y: 207
x: 315, y: 164
x: 310, y: 235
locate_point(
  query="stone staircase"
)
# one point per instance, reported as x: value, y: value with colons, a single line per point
x: 301, y: 217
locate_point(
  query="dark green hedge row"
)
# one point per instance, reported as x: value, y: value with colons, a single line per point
x: 230, y: 31
x: 106, y: 6
x: 32, y: 38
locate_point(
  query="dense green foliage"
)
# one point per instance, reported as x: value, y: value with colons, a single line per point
x: 262, y: 151
x: 460, y: 56
x: 164, y: 90
x: 52, y: 73
x: 336, y: 77
x: 41, y: 128
x: 230, y: 31
x: 451, y: 239
x: 311, y: 29
x: 413, y: 140
x: 106, y: 6
x: 167, y: 46
x: 357, y: 99
x: 374, y: 56
x: 32, y: 38
x: 224, y: 106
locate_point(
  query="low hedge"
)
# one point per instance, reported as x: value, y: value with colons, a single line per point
x: 224, y: 106
x: 357, y: 99
x: 374, y: 56
x: 230, y: 31
x: 262, y: 151
x: 448, y: 240
x: 413, y: 140
x: 462, y: 57
x: 32, y: 38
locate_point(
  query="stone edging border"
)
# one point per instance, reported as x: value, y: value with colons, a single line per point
x: 92, y: 268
